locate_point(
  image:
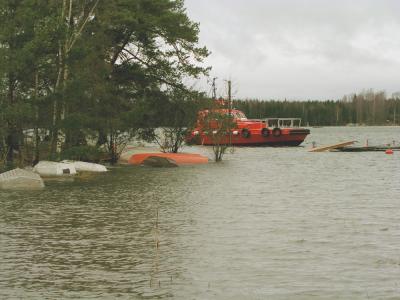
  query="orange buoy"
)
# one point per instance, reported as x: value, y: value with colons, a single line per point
x: 178, y: 158
x: 389, y: 151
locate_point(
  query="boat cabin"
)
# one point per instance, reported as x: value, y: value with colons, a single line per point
x: 283, y: 122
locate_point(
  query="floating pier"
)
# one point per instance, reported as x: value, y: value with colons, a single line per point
x: 367, y: 149
x: 331, y: 147
x: 346, y: 147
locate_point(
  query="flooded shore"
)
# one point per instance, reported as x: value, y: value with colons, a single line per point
x: 275, y: 223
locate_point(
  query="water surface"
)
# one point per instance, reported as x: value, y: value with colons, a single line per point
x: 267, y: 223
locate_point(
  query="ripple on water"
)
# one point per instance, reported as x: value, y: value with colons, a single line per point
x: 276, y: 223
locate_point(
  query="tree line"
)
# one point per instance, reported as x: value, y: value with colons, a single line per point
x: 82, y: 77
x: 365, y: 108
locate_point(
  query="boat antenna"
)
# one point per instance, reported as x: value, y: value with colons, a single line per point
x: 230, y: 95
x: 214, y: 88
x: 230, y: 108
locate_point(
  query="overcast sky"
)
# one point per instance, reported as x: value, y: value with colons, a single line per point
x: 301, y: 49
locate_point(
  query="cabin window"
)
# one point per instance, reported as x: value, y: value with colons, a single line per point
x: 286, y: 123
x: 238, y: 115
x: 296, y: 123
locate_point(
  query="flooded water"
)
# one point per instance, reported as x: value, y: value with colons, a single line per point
x: 267, y: 223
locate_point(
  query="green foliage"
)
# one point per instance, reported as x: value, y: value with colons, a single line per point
x: 168, y: 117
x: 218, y: 127
x: 83, y: 153
x: 89, y: 66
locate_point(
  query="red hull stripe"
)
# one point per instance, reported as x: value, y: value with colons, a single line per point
x: 255, y: 140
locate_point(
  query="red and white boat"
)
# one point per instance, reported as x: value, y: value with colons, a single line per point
x: 247, y: 132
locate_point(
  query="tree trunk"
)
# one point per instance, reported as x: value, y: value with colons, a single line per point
x: 36, y: 154
x: 11, y: 140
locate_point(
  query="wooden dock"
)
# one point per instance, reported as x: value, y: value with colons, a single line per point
x: 331, y: 147
x: 367, y: 149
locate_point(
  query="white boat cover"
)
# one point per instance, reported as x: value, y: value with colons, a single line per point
x: 82, y: 166
x: 20, y: 179
x: 51, y: 168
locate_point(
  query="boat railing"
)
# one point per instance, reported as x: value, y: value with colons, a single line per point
x: 283, y: 122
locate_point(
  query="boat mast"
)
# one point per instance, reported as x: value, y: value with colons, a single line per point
x: 230, y: 108
x: 230, y: 96
x: 214, y: 88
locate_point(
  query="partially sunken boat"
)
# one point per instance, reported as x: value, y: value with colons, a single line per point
x: 175, y: 158
x: 50, y: 168
x: 20, y: 179
x: 82, y: 166
x: 159, y: 162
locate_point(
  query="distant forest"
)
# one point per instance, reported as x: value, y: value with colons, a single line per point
x: 365, y: 108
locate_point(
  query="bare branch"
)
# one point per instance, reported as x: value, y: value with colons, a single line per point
x: 178, y: 86
x: 75, y: 37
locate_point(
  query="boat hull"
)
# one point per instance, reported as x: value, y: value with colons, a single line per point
x: 178, y: 158
x: 255, y: 139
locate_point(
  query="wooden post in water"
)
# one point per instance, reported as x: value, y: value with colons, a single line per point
x: 230, y: 108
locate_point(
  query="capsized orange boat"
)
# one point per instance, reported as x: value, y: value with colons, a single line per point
x: 178, y: 158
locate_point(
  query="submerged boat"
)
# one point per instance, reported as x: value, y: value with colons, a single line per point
x: 82, y: 166
x: 51, y: 168
x: 247, y: 132
x: 177, y: 158
x: 20, y: 179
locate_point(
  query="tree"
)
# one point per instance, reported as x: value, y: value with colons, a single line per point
x: 20, y: 61
x: 148, y: 48
x: 172, y: 118
x: 219, y: 128
x: 74, y: 71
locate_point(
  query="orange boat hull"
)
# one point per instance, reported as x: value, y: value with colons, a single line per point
x: 178, y: 158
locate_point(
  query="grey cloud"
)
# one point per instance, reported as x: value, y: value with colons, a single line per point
x: 301, y: 48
